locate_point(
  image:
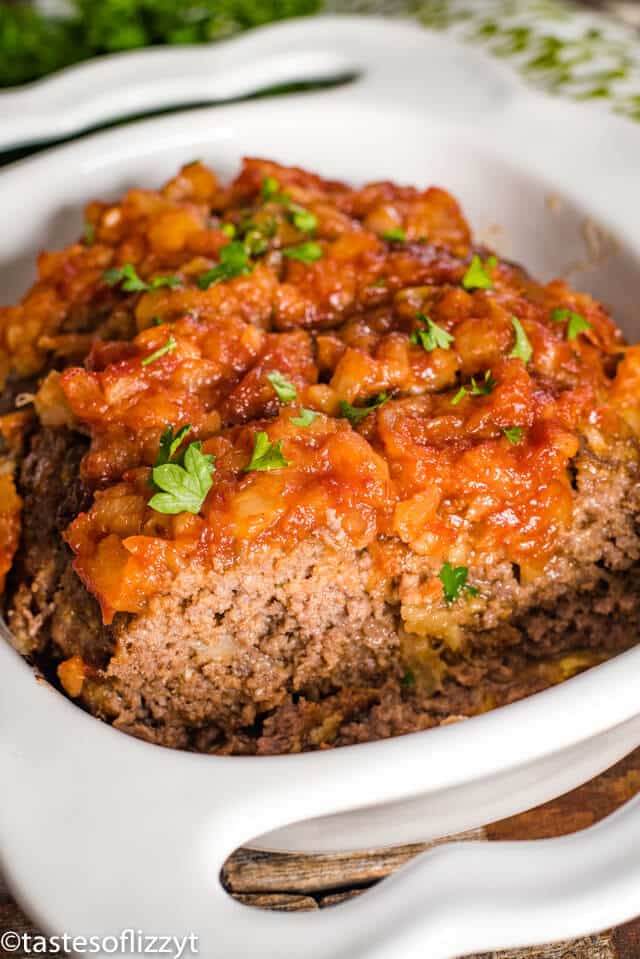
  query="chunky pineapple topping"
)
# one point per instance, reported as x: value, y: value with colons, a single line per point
x: 287, y: 357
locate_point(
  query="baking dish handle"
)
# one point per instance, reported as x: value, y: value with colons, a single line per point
x: 474, y: 896
x: 391, y: 59
x: 123, y: 835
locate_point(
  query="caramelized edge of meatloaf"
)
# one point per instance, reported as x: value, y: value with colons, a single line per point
x: 305, y: 656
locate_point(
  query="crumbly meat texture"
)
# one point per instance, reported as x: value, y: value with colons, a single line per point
x: 293, y: 652
x: 306, y: 605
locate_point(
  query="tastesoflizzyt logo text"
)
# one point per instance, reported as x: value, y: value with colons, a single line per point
x: 128, y: 942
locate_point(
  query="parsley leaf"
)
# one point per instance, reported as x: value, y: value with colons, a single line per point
x: 477, y: 276
x: 234, y: 261
x: 270, y: 188
x: 514, y: 434
x: 577, y: 323
x: 131, y: 282
x: 170, y: 443
x: 284, y: 388
x: 461, y: 392
x: 305, y: 252
x: 170, y: 345
x: 306, y: 417
x: 266, y: 455
x: 89, y: 233
x: 159, y: 281
x: 184, y: 488
x: 483, y: 388
x: 127, y: 276
x: 454, y: 581
x: 229, y: 230
x: 433, y: 338
x: 303, y: 220
x: 256, y: 243
x: 395, y: 235
x: 522, y: 349
x: 355, y: 414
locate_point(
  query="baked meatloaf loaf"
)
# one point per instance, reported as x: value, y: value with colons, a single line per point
x: 288, y: 464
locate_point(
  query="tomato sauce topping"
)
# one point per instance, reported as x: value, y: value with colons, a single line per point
x: 352, y: 364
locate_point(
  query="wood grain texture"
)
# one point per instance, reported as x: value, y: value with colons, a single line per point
x: 249, y: 871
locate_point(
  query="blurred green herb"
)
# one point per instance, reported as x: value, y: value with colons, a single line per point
x: 522, y: 349
x: 514, y: 434
x: 454, y: 581
x: 233, y: 262
x: 33, y: 44
x: 306, y: 417
x: 284, y: 388
x: 478, y: 276
x: 576, y: 323
x: 304, y: 252
x: 266, y: 455
x: 431, y: 338
x: 127, y: 276
x: 167, y: 347
x: 355, y: 414
x: 396, y: 235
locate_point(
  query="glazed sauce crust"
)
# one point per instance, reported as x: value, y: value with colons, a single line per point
x: 454, y: 476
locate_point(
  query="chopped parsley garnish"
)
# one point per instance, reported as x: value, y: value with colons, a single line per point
x: 306, y: 417
x: 270, y: 188
x: 514, y: 434
x: 576, y: 322
x: 266, y: 455
x: 454, y: 581
x: 183, y: 487
x: 433, y: 338
x: 170, y: 345
x: 477, y: 276
x: 381, y: 282
x: 303, y: 220
x: 355, y: 414
x: 395, y: 235
x: 171, y: 281
x: 305, y: 252
x: 169, y: 443
x: 284, y: 388
x: 483, y: 388
x: 128, y: 277
x: 522, y: 349
x: 229, y: 230
x: 256, y: 243
x: 234, y: 261
x: 89, y: 233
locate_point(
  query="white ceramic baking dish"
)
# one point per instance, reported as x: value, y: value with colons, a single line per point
x: 100, y: 832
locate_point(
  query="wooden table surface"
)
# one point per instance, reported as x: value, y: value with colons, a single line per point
x: 291, y: 883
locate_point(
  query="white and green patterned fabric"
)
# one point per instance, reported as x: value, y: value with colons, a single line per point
x: 554, y: 45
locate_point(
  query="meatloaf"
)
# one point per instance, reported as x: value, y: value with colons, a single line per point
x: 288, y: 464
